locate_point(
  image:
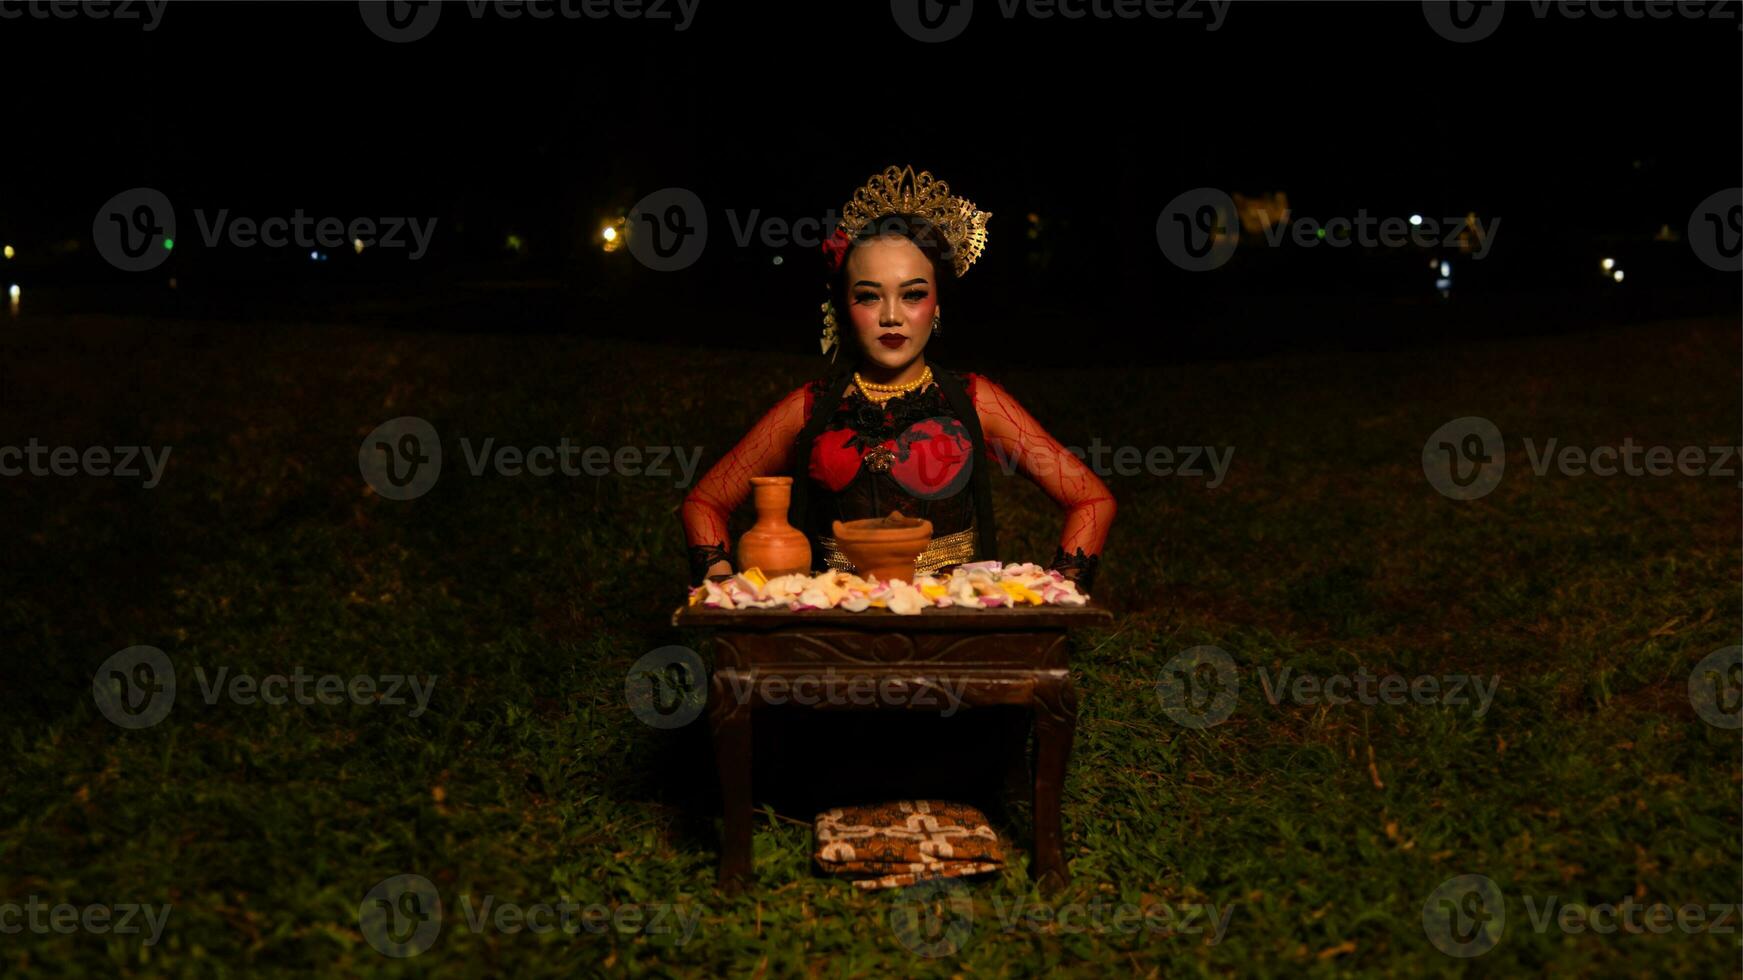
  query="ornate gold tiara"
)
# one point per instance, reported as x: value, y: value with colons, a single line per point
x: 899, y: 190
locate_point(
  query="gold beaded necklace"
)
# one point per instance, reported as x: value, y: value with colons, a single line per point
x: 880, y: 393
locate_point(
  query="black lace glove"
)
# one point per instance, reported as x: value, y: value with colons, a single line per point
x: 706, y: 556
x: 1079, y: 568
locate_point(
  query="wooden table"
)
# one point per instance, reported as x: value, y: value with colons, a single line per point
x: 1015, y: 657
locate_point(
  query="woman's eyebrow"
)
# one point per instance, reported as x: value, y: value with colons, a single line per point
x: 911, y: 282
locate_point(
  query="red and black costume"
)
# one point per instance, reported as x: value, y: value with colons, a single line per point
x: 928, y: 453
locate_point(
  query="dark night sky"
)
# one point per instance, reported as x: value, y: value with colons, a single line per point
x: 1568, y: 129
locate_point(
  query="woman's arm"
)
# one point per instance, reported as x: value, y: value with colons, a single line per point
x: 764, y: 451
x: 1013, y: 435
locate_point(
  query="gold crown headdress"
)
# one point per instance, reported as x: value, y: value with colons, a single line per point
x: 899, y: 190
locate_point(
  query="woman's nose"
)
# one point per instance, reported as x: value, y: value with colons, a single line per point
x: 889, y: 316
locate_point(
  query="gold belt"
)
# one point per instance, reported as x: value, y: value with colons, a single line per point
x: 947, y: 550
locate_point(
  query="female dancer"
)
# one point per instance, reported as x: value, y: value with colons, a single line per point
x: 892, y: 431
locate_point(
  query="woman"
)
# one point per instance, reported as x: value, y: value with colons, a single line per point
x: 894, y: 432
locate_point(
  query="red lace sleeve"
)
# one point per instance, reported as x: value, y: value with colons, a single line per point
x: 765, y: 450
x: 1013, y: 435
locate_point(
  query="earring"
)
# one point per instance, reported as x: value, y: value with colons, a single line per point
x: 831, y: 338
x: 937, y: 326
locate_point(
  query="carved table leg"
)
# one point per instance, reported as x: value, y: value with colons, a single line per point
x: 1055, y: 724
x: 729, y: 721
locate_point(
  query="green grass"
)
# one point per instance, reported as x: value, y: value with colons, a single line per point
x: 1590, y: 778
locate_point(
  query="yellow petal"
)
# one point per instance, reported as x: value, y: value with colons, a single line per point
x: 756, y: 577
x: 933, y: 591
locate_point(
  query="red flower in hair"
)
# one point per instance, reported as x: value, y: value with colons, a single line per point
x: 835, y: 248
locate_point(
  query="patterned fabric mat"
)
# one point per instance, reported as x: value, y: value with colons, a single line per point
x: 890, y: 845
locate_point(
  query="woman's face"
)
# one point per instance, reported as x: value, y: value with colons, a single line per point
x: 891, y: 295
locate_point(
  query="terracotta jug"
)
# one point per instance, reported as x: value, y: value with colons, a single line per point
x: 884, y: 547
x: 773, y: 545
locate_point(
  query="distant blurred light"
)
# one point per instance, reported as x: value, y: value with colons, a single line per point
x: 1415, y: 219
x: 14, y: 292
x: 8, y: 252
x: 314, y: 256
x: 1608, y: 264
x: 172, y: 282
x: 1445, y: 268
x: 168, y: 244
x: 357, y: 245
x: 1319, y: 232
x: 779, y: 260
x: 614, y: 234
x: 515, y: 244
x: 1617, y: 275
x: 1443, y: 284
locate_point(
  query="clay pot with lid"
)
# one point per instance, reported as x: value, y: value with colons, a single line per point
x: 773, y: 545
x: 884, y: 546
